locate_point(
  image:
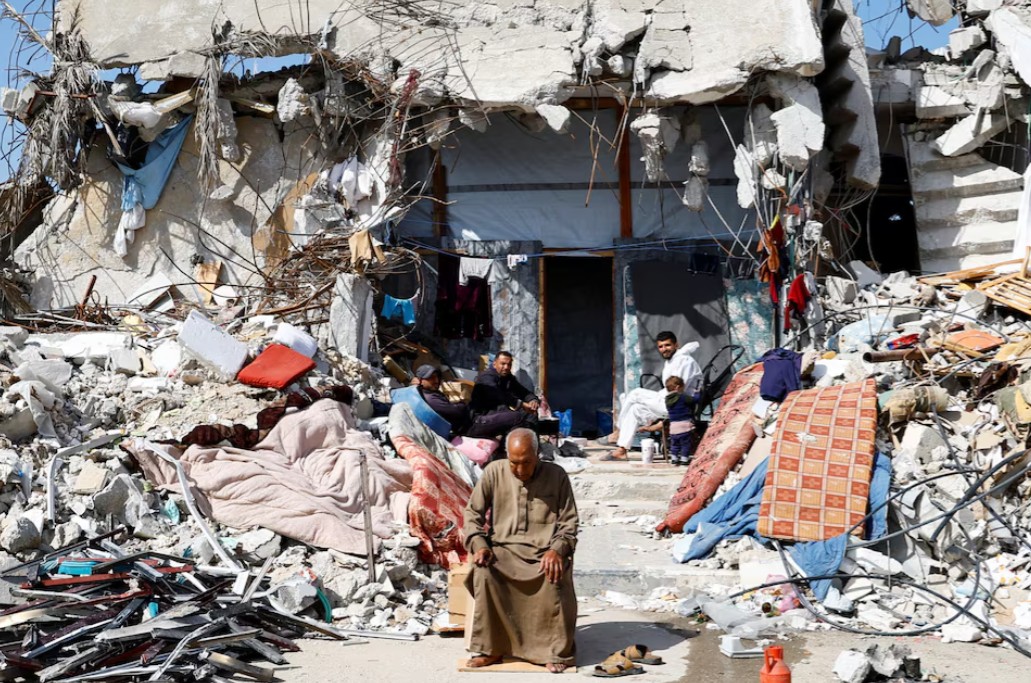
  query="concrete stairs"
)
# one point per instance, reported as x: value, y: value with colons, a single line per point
x: 619, y: 505
x: 966, y: 207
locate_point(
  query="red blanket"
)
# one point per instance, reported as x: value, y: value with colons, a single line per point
x: 727, y: 439
x: 438, y: 499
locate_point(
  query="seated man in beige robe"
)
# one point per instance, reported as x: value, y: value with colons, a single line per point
x: 524, y: 605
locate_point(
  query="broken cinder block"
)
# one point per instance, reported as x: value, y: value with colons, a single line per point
x: 212, y: 345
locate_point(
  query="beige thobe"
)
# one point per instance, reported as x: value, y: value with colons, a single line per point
x: 516, y: 611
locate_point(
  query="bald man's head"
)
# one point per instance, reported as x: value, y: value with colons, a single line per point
x: 521, y: 445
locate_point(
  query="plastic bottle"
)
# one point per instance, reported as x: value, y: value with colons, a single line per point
x: 775, y: 669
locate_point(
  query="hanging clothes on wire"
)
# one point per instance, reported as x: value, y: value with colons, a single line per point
x: 401, y: 309
x: 482, y: 268
x: 463, y: 311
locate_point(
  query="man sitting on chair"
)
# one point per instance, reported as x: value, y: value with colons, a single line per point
x: 641, y: 408
x: 524, y: 604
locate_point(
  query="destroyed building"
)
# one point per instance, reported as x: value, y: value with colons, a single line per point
x: 223, y: 213
x: 599, y: 135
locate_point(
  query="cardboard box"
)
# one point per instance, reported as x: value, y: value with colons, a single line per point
x: 459, y: 600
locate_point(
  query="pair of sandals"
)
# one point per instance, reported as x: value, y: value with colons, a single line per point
x: 626, y: 662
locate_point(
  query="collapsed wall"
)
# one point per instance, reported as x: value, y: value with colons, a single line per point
x: 254, y: 178
x: 966, y: 142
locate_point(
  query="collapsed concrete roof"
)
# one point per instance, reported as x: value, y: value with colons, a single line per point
x: 496, y: 53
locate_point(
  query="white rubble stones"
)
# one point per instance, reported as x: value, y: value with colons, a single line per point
x: 54, y: 374
x: 226, y: 126
x: 659, y: 132
x: 970, y: 133
x: 962, y: 40
x: 124, y: 361
x: 556, y: 116
x: 19, y: 534
x: 293, y: 102
x: 934, y: 12
x: 212, y: 345
x: 746, y: 171
x: 760, y: 135
x: 799, y: 125
x: 666, y: 44
x: 933, y: 102
x: 474, y: 119
x: 1012, y: 31
x: 852, y: 667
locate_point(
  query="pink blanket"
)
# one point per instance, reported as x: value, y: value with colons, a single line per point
x: 302, y: 481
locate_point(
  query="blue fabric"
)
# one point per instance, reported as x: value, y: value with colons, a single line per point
x: 782, y: 374
x: 818, y: 558
x: 736, y: 514
x: 877, y: 525
x: 398, y: 308
x: 145, y: 184
x: 732, y: 515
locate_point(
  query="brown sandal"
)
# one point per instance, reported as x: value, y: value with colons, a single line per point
x: 641, y: 654
x: 617, y: 666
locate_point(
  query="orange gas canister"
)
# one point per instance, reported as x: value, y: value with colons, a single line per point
x: 775, y: 669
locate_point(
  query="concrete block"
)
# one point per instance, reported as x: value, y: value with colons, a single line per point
x: 969, y: 134
x: 92, y: 478
x: 124, y: 361
x: 851, y: 667
x: 964, y: 39
x: 865, y: 275
x: 19, y: 534
x: 351, y: 316
x: 296, y: 338
x: 54, y: 374
x: 841, y: 290
x: 557, y: 116
x: 921, y: 441
x: 934, y: 12
x: 94, y: 346
x: 933, y: 102
x: 19, y: 426
x: 212, y: 345
x: 15, y: 335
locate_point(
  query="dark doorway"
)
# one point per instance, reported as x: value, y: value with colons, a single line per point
x: 669, y: 296
x: 578, y: 344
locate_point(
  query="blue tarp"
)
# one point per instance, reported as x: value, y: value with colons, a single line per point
x: 736, y: 514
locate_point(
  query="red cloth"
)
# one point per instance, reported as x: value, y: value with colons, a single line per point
x: 798, y: 299
x: 277, y: 367
x: 727, y: 439
x: 438, y: 500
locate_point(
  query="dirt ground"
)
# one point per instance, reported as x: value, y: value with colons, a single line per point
x: 691, y: 653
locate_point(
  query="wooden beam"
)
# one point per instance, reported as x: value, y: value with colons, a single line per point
x: 439, y: 195
x: 626, y: 207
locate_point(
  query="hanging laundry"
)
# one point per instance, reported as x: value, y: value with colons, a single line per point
x: 774, y: 266
x: 403, y: 309
x: 798, y: 299
x: 463, y: 311
x: 482, y: 268
x: 142, y: 187
x: 517, y: 259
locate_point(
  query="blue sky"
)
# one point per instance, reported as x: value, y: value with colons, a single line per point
x: 882, y: 19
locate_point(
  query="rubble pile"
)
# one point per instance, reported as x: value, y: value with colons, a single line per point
x: 950, y: 367
x: 95, y: 548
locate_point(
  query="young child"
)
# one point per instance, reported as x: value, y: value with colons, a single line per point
x: 681, y: 421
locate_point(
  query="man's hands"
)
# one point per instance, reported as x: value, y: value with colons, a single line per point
x: 552, y: 566
x: 484, y: 557
x: 531, y: 406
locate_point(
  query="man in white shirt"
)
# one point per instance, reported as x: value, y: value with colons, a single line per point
x: 642, y: 407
